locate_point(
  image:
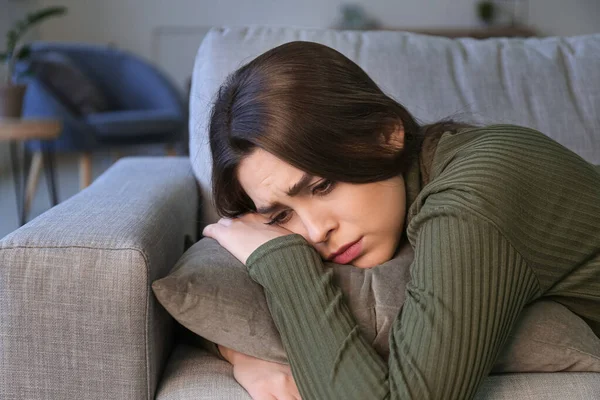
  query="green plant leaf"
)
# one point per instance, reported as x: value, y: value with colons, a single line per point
x: 486, y: 11
x: 3, y: 57
x: 24, y: 52
x: 11, y: 40
x: 22, y: 26
x: 37, y: 16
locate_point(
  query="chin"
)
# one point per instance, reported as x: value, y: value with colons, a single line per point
x: 373, y: 258
x: 366, y: 262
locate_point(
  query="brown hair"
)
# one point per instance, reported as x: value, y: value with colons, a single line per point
x: 313, y: 108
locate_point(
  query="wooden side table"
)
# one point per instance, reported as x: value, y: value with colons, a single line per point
x: 19, y: 130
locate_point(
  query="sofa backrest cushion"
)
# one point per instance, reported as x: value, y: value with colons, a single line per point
x: 550, y: 84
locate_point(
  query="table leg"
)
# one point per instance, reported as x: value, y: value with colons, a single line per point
x: 49, y: 171
x: 19, y: 181
x: 33, y: 177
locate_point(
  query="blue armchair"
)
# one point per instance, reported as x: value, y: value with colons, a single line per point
x: 144, y: 106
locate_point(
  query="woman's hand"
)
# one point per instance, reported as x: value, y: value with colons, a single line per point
x: 263, y: 380
x: 241, y: 236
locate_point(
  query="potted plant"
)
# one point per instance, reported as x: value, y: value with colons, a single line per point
x: 11, y: 93
x: 486, y: 11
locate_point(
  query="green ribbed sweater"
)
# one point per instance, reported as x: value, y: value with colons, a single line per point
x: 508, y: 216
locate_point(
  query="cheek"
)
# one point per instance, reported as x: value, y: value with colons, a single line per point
x: 295, y: 225
x: 382, y: 215
x: 367, y: 209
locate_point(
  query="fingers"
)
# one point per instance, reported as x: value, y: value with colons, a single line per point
x: 212, y: 230
x: 225, y: 221
x: 262, y: 396
x: 278, y: 396
x: 287, y: 396
x: 283, y: 396
x: 289, y: 390
x: 207, y: 231
x: 295, y: 392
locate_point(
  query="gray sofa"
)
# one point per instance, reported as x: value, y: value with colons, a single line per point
x: 78, y: 319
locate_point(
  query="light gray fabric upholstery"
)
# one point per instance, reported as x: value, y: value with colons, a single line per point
x: 193, y: 373
x: 541, y: 386
x: 550, y: 84
x: 77, y: 317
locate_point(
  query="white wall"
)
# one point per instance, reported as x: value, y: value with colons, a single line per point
x: 562, y: 17
x: 130, y: 22
x: 169, y: 32
x: 4, y: 18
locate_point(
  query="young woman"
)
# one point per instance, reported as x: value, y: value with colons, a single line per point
x: 313, y: 162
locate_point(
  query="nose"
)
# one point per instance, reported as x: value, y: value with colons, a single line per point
x: 317, y: 226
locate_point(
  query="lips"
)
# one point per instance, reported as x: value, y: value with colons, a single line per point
x: 347, y: 252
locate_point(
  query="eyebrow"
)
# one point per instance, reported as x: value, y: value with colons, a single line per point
x: 293, y: 191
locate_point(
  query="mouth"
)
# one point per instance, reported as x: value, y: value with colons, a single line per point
x: 347, y: 252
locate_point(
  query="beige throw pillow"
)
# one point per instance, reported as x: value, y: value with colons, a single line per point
x: 210, y: 293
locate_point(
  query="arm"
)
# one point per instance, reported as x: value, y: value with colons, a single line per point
x: 468, y: 286
x: 261, y: 379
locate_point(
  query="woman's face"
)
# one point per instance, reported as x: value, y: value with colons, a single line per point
x: 329, y: 215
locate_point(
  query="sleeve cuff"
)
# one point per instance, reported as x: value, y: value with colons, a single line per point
x: 286, y: 262
x: 279, y: 243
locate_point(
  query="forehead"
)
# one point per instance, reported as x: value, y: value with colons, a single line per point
x: 266, y: 178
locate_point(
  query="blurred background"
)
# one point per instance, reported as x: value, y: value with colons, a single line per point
x: 166, y: 35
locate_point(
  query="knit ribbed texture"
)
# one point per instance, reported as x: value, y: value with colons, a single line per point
x: 507, y: 217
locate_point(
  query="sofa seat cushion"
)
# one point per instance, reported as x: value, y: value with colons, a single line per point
x: 536, y: 386
x: 192, y: 373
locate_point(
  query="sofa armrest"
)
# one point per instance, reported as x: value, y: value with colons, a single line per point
x: 77, y: 315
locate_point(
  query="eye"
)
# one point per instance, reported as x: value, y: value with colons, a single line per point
x: 323, y: 188
x: 280, y: 218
